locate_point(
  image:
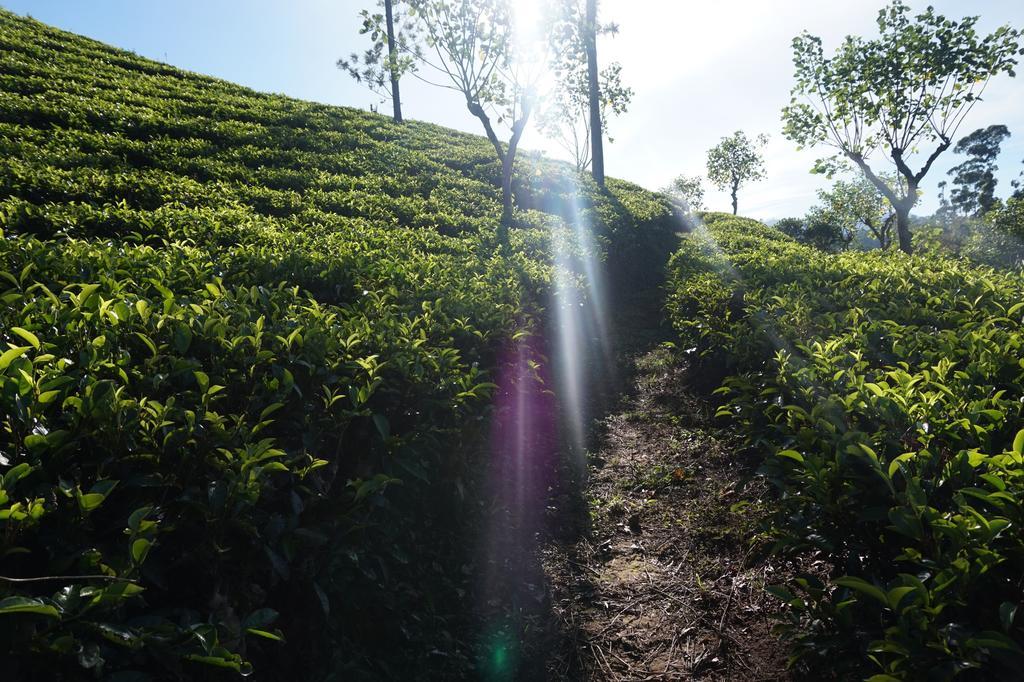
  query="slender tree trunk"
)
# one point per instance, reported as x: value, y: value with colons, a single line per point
x: 507, y: 157
x: 506, y: 199
x: 735, y: 200
x: 885, y: 234
x: 396, y: 97
x: 507, y: 168
x: 596, y: 127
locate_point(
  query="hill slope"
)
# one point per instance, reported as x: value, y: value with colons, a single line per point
x: 885, y: 392
x: 247, y: 341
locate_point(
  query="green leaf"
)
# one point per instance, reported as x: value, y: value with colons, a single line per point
x: 47, y: 397
x: 896, y: 595
x: 270, y: 409
x: 276, y: 636
x: 790, y: 454
x: 1018, y: 441
x: 137, y: 517
x: 148, y: 341
x: 990, y: 639
x: 202, y: 379
x: 894, y: 465
x: 140, y: 548
x: 863, y: 587
x: 28, y: 605
x: 18, y: 472
x: 216, y: 661
x: 11, y: 355
x: 27, y: 336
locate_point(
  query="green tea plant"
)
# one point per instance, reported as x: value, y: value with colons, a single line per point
x: 246, y: 347
x: 885, y: 391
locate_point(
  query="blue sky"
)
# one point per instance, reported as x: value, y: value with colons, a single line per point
x: 700, y: 70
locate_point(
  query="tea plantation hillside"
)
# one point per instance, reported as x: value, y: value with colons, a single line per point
x: 247, y: 345
x: 887, y: 392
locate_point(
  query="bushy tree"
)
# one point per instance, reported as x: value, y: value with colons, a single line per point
x: 391, y: 53
x: 570, y: 118
x: 735, y: 161
x: 998, y: 240
x: 688, y: 191
x: 857, y: 205
x: 794, y: 227
x: 908, y: 89
x: 817, y: 229
x: 974, y: 180
x: 470, y: 47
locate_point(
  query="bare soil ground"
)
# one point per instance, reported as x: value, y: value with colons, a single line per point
x: 667, y: 581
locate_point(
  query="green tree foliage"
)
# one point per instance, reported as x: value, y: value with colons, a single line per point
x: 566, y: 117
x: 908, y: 89
x: 857, y: 205
x: 687, y: 190
x: 974, y: 180
x: 471, y: 47
x: 998, y: 239
x: 827, y: 230
x: 791, y: 227
x: 735, y: 161
x: 886, y: 391
x: 817, y: 229
x: 391, y: 53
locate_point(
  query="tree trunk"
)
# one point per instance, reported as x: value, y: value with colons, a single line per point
x: 396, y: 98
x: 885, y: 235
x: 507, y: 167
x: 507, y: 157
x: 506, y: 198
x: 596, y: 128
x: 735, y: 200
x: 903, y: 226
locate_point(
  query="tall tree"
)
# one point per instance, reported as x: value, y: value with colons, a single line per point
x: 569, y: 117
x: 594, y: 87
x: 734, y: 161
x: 396, y: 96
x: 911, y: 87
x: 471, y: 48
x: 390, y: 55
x: 974, y: 179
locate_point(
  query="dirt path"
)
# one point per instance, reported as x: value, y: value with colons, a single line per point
x: 667, y: 582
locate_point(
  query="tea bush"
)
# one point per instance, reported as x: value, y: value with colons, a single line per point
x: 886, y: 391
x: 247, y: 349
